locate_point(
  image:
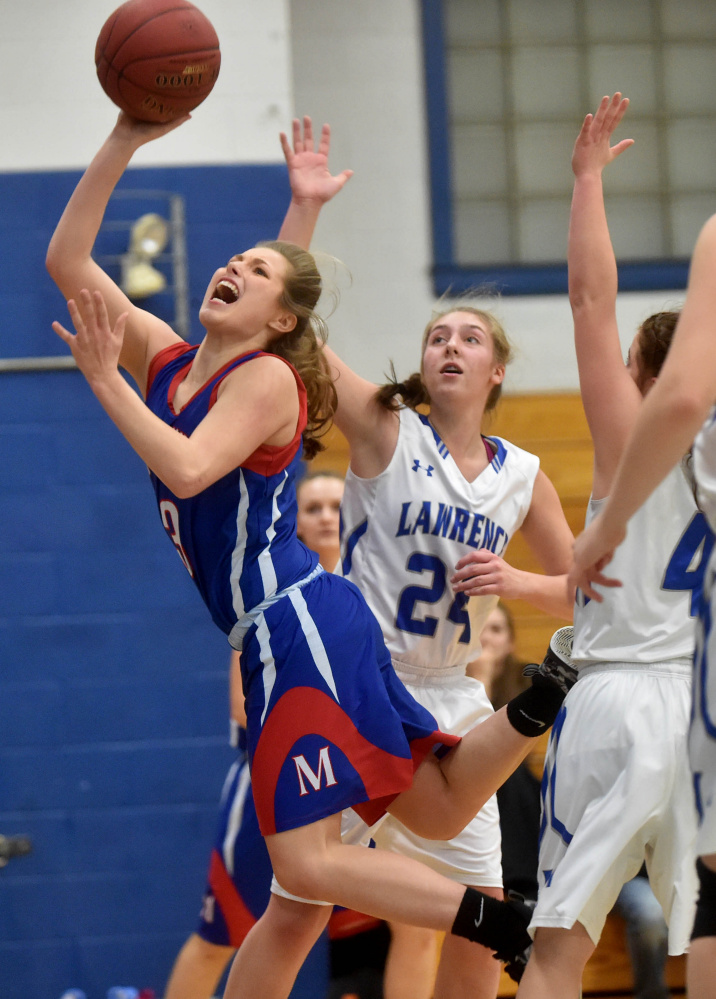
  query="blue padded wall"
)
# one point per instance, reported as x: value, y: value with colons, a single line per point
x: 113, y: 680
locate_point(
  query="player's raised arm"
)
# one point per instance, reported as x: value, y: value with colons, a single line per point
x: 358, y: 416
x: 312, y: 183
x: 611, y: 398
x: 69, y: 255
x: 670, y: 416
x: 261, y: 401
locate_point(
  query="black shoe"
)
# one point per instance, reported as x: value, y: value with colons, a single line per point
x: 557, y: 666
x: 515, y: 961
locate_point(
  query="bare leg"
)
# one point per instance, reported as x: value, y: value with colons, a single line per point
x: 411, y: 963
x: 312, y: 862
x: 198, y: 967
x: 271, y: 956
x: 701, y: 961
x: 467, y: 970
x: 447, y: 794
x: 556, y: 965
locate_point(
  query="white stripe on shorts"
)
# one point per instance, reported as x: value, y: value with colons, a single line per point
x: 268, y: 673
x: 236, y: 816
x: 313, y: 638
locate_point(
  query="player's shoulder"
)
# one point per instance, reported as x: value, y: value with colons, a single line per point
x: 265, y: 373
x: 265, y: 361
x: 512, y: 457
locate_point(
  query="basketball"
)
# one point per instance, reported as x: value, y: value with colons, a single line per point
x: 157, y: 59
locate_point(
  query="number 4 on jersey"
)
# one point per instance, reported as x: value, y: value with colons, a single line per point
x: 688, y: 562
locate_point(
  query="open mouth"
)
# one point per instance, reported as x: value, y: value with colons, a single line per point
x: 226, y: 291
x: 451, y: 369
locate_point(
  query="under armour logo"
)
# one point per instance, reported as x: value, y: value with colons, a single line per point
x: 417, y: 465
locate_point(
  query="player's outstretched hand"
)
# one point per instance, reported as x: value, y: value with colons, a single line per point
x: 593, y: 550
x: 96, y: 344
x: 308, y: 172
x: 593, y: 149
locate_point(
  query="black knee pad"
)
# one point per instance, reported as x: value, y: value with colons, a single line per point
x: 705, y: 921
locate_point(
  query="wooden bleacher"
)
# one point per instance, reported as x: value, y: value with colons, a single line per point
x: 555, y: 428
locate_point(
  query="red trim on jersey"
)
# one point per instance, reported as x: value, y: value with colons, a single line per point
x: 371, y: 811
x: 237, y: 917
x: 267, y: 459
x: 303, y: 710
x: 164, y: 356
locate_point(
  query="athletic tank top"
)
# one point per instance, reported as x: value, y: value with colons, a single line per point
x: 237, y: 538
x: 660, y: 564
x: 403, y: 531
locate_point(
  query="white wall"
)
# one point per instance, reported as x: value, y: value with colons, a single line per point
x: 354, y: 63
x: 54, y: 114
x: 358, y: 65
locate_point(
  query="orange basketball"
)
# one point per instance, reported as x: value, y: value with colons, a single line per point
x: 157, y: 59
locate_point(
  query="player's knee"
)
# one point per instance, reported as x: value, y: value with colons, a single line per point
x: 451, y: 827
x: 705, y: 921
x: 300, y: 876
x: 439, y: 823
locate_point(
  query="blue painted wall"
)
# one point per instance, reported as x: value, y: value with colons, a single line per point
x: 113, y: 680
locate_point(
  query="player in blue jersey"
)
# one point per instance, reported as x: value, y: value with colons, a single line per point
x: 329, y: 724
x: 239, y: 875
x: 430, y: 506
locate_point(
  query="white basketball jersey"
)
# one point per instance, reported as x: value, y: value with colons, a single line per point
x: 705, y: 468
x: 660, y: 564
x: 403, y: 532
x: 702, y: 736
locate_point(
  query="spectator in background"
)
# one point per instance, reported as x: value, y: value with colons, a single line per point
x: 498, y: 667
x: 319, y: 496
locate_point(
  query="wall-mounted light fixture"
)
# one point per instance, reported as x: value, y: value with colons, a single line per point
x: 147, y: 239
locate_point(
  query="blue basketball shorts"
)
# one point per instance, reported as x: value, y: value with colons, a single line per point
x: 330, y: 725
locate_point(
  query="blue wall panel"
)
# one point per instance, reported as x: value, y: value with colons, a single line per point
x: 113, y: 680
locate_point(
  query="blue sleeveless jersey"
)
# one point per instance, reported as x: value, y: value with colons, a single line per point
x: 329, y: 724
x: 237, y: 538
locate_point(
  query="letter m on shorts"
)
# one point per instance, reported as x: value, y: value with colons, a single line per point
x: 314, y: 779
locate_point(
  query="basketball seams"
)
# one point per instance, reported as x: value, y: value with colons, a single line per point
x: 194, y: 53
x: 142, y: 53
x: 148, y: 20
